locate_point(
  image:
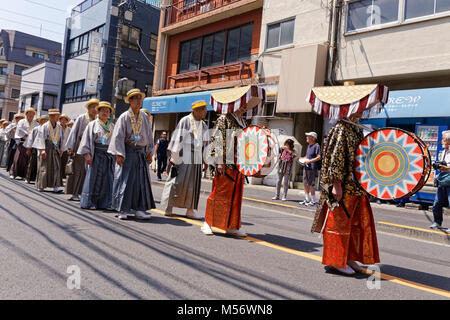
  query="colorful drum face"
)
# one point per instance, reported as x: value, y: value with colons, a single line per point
x: 392, y: 163
x: 252, y: 150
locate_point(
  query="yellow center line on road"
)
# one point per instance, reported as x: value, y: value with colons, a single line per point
x: 413, y: 228
x: 314, y: 257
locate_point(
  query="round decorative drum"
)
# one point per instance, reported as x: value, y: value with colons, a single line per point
x: 252, y: 150
x: 392, y: 163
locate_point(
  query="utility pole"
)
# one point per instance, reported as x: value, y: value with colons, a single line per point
x: 118, y: 50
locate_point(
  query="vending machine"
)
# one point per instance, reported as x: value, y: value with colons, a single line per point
x: 432, y: 137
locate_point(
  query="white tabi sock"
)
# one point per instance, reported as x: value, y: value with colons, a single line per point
x: 307, y: 197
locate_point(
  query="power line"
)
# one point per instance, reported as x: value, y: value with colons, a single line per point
x: 47, y: 6
x: 29, y: 25
x: 24, y: 15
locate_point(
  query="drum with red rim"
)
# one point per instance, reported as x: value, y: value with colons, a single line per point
x: 256, y: 152
x: 392, y: 163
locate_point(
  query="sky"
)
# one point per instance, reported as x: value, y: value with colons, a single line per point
x: 30, y: 16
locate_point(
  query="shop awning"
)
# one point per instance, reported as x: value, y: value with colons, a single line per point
x: 230, y: 100
x: 342, y: 101
x: 175, y: 103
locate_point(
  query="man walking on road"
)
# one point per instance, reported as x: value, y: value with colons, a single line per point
x: 311, y: 168
x: 161, y: 153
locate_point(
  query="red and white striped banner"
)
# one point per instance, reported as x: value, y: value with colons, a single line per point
x: 253, y: 92
x: 373, y: 103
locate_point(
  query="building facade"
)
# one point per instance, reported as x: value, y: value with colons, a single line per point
x: 90, y: 50
x: 202, y: 46
x: 18, y: 52
x: 40, y: 87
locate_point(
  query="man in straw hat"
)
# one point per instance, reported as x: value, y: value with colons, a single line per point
x: 63, y: 121
x: 346, y: 241
x: 75, y: 181
x: 97, y: 188
x: 132, y: 145
x: 32, y: 152
x: 23, y: 131
x: 3, y: 139
x: 10, y: 134
x: 48, y: 144
x: 223, y: 206
x: 182, y: 188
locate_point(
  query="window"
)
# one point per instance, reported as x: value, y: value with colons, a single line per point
x: 153, y: 44
x: 188, y: 3
x: 219, y: 48
x: 2, y: 92
x: 190, y: 55
x: 79, y: 45
x: 368, y: 13
x: 11, y: 116
x: 34, y: 100
x: 280, y: 34
x: 131, y: 36
x: 15, y: 93
x: 49, y: 102
x: 38, y: 55
x: 18, y: 69
x: 3, y: 70
x: 75, y: 91
x: 2, y: 50
x: 148, y: 90
x: 419, y: 8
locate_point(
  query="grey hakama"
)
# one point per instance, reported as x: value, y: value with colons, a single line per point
x: 98, y: 184
x: 65, y: 155
x: 183, y: 191
x: 32, y: 165
x: 48, y: 174
x: 3, y: 145
x: 131, y: 188
x: 74, y: 185
x: 11, y: 145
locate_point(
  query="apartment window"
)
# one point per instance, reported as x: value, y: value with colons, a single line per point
x: 148, y: 90
x: 79, y: 45
x: 75, y: 91
x: 420, y: 8
x: 34, y: 100
x: 190, y: 55
x: 153, y: 44
x: 15, y: 93
x: 131, y: 36
x: 3, y: 70
x: 219, y: 48
x: 188, y: 3
x: 38, y: 55
x: 11, y: 116
x: 368, y: 13
x: 213, y: 49
x: 49, y: 102
x: 2, y: 50
x: 18, y: 69
x: 2, y: 92
x: 22, y: 106
x: 280, y: 34
x: 100, y: 29
x: 1, y: 113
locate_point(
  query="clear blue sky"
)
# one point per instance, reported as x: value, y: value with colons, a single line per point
x: 29, y: 16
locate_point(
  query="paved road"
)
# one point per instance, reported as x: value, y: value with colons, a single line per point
x: 42, y: 234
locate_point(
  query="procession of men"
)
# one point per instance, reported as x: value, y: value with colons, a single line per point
x: 103, y: 163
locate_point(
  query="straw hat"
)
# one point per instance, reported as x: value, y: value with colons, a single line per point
x: 92, y: 101
x: 19, y: 115
x: 132, y: 93
x: 104, y: 104
x: 54, y: 112
x: 2, y: 120
x: 29, y: 110
x: 199, y: 104
x: 44, y: 117
x: 6, y: 123
x: 65, y: 116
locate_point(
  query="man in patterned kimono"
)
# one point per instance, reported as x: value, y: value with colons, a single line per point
x: 223, y: 207
x: 74, y: 185
x: 182, y: 188
x: 132, y: 145
x: 48, y: 144
x: 346, y: 241
x: 23, y: 131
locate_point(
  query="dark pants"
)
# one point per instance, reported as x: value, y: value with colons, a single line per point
x: 162, y: 163
x: 441, y: 200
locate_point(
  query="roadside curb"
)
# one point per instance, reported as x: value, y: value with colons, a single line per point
x: 412, y: 232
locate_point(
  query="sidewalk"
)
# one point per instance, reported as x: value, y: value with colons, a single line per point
x: 407, y: 221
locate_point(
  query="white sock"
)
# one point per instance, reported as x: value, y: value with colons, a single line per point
x: 313, y: 198
x: 307, y: 197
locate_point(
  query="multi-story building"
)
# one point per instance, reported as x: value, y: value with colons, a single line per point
x: 18, y: 52
x: 40, y: 87
x: 90, y: 49
x: 203, y: 45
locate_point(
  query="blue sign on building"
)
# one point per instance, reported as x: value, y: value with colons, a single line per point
x: 175, y: 103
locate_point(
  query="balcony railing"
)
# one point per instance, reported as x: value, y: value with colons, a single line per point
x: 186, y: 9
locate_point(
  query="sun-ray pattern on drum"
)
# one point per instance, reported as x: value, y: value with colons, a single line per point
x: 252, y: 150
x: 391, y: 163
